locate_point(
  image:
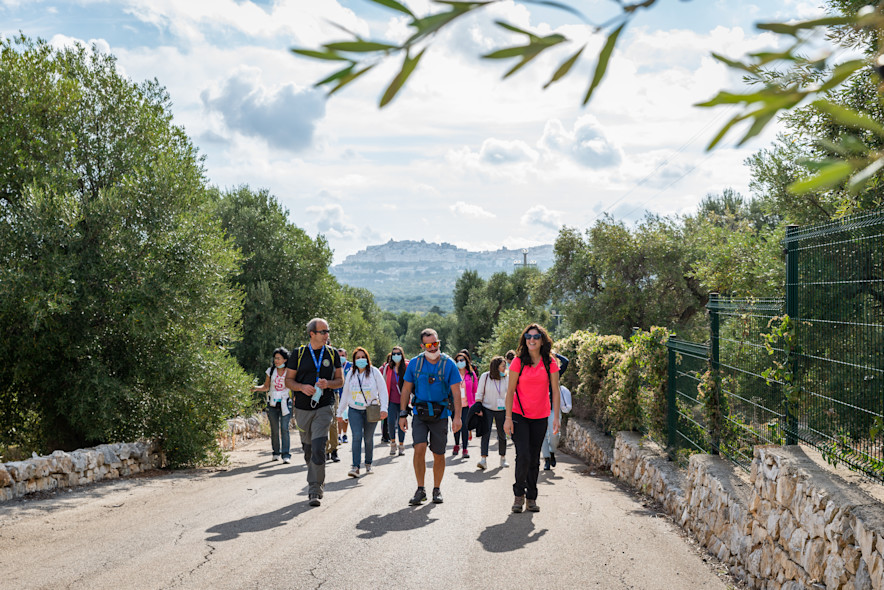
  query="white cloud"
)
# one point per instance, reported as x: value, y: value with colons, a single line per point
x: 330, y: 220
x: 541, y: 216
x: 587, y: 143
x: 284, y: 116
x: 474, y: 211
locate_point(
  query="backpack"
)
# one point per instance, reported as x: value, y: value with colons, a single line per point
x: 447, y: 401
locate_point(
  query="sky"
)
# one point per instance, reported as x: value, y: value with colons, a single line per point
x: 460, y: 156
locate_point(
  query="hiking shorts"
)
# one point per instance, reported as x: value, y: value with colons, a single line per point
x: 437, y: 432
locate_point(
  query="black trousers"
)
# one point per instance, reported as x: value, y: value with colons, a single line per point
x: 528, y: 436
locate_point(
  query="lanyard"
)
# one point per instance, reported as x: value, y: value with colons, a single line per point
x: 317, y: 362
x: 497, y: 385
x: 359, y: 378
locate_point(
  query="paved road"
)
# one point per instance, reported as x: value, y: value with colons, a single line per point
x: 250, y: 527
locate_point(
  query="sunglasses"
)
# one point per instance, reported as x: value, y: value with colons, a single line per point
x: 322, y: 331
x: 431, y: 345
x: 533, y: 336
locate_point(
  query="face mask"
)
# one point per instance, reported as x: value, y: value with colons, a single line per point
x: 396, y: 358
x: 280, y: 366
x: 433, y: 355
x: 503, y: 373
x: 361, y: 363
x: 461, y: 364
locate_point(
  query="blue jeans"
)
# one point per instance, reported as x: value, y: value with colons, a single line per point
x: 279, y: 429
x: 362, y: 430
x: 393, y: 424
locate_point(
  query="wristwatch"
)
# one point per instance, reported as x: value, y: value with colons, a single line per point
x: 403, y: 413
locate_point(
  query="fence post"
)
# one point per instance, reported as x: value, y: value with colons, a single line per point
x: 714, y: 429
x: 792, y: 312
x: 671, y: 404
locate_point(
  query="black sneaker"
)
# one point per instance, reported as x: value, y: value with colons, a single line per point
x: 334, y: 456
x: 420, y: 496
x: 437, y: 496
x: 314, y: 500
x: 546, y: 466
x: 552, y: 459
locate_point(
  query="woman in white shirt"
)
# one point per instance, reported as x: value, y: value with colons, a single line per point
x: 279, y: 405
x: 364, y: 386
x: 492, y: 393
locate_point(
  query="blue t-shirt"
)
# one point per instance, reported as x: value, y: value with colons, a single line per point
x: 440, y: 389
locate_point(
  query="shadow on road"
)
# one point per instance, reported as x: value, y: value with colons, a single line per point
x: 407, y: 519
x: 515, y: 533
x: 254, y: 524
x: 478, y: 475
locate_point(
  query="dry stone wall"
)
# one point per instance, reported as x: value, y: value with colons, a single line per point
x: 83, y: 466
x: 789, y: 525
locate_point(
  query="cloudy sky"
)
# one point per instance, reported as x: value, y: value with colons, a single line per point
x: 460, y: 156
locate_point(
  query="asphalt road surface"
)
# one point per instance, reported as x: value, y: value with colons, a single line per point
x: 249, y: 526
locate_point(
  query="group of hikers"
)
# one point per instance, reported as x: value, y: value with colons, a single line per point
x: 326, y: 395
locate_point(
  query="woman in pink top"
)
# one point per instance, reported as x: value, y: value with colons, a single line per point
x: 468, y: 385
x: 533, y: 374
x: 394, y: 373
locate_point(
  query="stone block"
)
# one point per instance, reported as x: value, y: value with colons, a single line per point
x: 876, y: 571
x: 6, y: 479
x: 865, y: 538
x: 835, y: 574
x: 862, y: 581
x: 796, y: 544
x: 79, y: 460
x: 785, y: 491
x: 108, y: 455
x: 813, y: 560
x: 19, y: 470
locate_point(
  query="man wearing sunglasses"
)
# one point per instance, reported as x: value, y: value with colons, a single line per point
x: 313, y: 373
x: 435, y: 381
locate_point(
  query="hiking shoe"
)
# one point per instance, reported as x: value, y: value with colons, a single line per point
x: 401, y: 449
x: 437, y: 496
x: 532, y: 506
x: 420, y: 496
x: 503, y: 461
x: 455, y: 451
x: 483, y: 463
x: 392, y: 449
x: 546, y: 466
x: 354, y: 472
x: 314, y: 500
x: 518, y: 503
x: 368, y: 468
x: 552, y: 459
x: 334, y: 456
x: 466, y: 454
x: 344, y: 438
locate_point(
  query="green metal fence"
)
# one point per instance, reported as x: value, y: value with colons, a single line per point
x: 835, y: 300
x: 687, y: 425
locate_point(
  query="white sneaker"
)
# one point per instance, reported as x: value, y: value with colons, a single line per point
x: 392, y: 449
x: 354, y: 472
x: 286, y: 460
x: 367, y: 468
x: 503, y: 462
x: 483, y: 463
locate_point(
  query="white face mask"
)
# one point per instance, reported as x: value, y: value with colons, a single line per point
x: 433, y: 355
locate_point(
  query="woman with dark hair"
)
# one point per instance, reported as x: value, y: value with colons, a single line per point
x: 492, y: 393
x: 279, y: 405
x: 363, y: 387
x: 394, y: 377
x: 468, y: 385
x: 533, y: 374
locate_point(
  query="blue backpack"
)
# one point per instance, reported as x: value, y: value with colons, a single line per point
x: 444, y: 402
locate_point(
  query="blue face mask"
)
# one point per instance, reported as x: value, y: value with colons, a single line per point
x: 461, y: 364
x: 396, y: 358
x: 503, y: 373
x: 361, y: 363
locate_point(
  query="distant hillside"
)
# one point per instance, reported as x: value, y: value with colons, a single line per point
x: 415, y: 276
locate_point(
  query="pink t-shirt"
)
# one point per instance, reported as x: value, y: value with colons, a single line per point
x: 532, y: 391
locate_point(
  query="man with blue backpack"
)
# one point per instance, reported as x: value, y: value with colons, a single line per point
x: 434, y: 380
